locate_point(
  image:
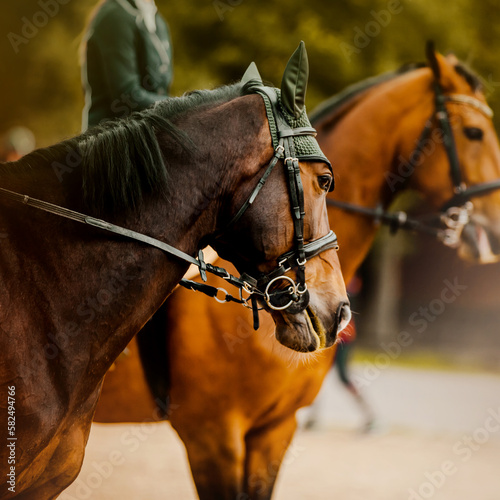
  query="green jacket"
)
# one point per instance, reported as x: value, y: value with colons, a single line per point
x: 126, y: 67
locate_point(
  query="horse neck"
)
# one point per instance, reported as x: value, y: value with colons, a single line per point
x: 93, y: 291
x: 224, y: 165
x: 365, y: 146
x: 86, y: 292
x: 222, y: 169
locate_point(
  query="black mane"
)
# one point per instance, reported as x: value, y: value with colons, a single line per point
x: 472, y: 78
x: 121, y: 160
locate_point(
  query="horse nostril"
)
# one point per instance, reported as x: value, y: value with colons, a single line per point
x: 343, y: 316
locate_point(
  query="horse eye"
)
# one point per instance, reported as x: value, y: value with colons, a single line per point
x: 325, y: 181
x: 473, y: 133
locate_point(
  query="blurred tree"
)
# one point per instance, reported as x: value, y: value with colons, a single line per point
x: 215, y: 40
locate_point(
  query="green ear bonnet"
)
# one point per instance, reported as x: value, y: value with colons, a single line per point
x: 288, y: 104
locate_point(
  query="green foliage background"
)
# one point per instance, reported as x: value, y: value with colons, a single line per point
x: 214, y: 41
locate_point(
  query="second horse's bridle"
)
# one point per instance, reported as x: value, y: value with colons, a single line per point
x: 455, y: 213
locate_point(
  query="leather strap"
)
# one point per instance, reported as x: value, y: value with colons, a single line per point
x: 469, y: 192
x: 443, y: 118
x: 113, y: 228
x: 297, y: 258
x: 463, y: 194
x: 278, y: 153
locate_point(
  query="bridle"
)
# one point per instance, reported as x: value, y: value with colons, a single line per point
x: 264, y: 286
x: 456, y: 211
x: 260, y: 287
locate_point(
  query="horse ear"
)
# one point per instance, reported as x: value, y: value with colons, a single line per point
x: 294, y: 82
x: 442, y: 67
x: 252, y: 73
x: 430, y: 52
x: 452, y: 59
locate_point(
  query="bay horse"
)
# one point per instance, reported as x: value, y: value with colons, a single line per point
x: 237, y: 427
x: 169, y: 178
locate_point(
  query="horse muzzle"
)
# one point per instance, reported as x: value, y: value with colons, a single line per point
x: 479, y: 243
x: 308, y: 330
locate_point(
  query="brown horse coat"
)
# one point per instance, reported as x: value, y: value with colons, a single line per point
x: 233, y: 392
x: 72, y: 296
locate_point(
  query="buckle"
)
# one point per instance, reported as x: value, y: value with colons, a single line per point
x: 245, y: 300
x: 250, y: 289
x: 202, y: 266
x: 283, y: 261
x: 280, y: 149
x: 450, y: 237
x: 457, y: 217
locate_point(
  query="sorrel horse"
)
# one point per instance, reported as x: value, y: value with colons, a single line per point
x: 233, y: 401
x: 73, y: 295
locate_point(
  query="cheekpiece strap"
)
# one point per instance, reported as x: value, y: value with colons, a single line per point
x: 443, y: 118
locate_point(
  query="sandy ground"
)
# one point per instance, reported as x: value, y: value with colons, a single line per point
x: 437, y: 436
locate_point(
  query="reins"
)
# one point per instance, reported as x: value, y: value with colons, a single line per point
x: 127, y: 233
x: 455, y: 213
x: 245, y: 282
x: 264, y: 286
x: 401, y: 220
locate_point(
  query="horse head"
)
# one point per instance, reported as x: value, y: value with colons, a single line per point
x: 459, y: 158
x: 280, y: 240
